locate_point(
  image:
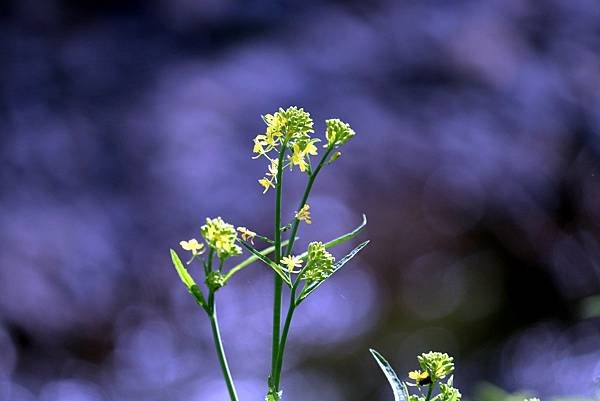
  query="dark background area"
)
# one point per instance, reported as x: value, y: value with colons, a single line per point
x: 123, y: 124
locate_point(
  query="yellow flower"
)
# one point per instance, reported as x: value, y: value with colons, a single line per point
x: 304, y: 214
x: 298, y: 157
x: 259, y: 146
x: 419, y: 377
x: 246, y: 234
x: 273, y: 169
x: 291, y: 262
x: 194, y: 246
x: 265, y: 182
x: 272, y: 173
x: 310, y: 149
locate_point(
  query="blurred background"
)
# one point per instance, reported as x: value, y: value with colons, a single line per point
x: 123, y: 124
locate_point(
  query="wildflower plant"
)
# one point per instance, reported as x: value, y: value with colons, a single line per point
x: 287, y: 143
x: 435, y: 371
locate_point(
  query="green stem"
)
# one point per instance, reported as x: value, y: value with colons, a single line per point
x: 429, y: 391
x: 221, y: 353
x: 277, y: 280
x: 278, y: 357
x: 309, y: 185
x: 284, y: 335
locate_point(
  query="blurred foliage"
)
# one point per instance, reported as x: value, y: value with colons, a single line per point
x: 489, y: 392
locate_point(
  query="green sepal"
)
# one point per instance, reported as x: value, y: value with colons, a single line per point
x: 398, y: 387
x: 310, y: 287
x: 269, y: 263
x: 187, y: 279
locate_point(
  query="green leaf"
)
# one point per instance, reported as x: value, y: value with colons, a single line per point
x: 306, y: 291
x: 182, y: 271
x: 187, y: 279
x: 269, y: 263
x: 343, y: 238
x: 390, y: 374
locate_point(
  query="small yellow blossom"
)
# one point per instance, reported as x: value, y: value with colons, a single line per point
x: 420, y: 377
x: 265, y: 182
x: 270, y: 179
x: 291, y: 262
x: 246, y: 234
x: 194, y: 246
x: 298, y: 157
x: 304, y: 214
x: 310, y: 148
x: 273, y: 169
x: 259, y: 146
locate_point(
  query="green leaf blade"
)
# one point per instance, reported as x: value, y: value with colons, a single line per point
x: 269, y: 263
x: 187, y: 279
x: 306, y: 291
x: 184, y: 275
x: 390, y: 374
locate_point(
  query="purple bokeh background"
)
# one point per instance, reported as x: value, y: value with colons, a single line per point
x: 477, y: 160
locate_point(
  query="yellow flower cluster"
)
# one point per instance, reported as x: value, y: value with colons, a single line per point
x: 287, y: 123
x: 338, y: 132
x: 438, y: 365
x: 302, y: 147
x: 319, y: 262
x: 304, y: 214
x: 221, y: 237
x: 293, y: 124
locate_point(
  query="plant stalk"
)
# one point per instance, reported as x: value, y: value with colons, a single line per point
x: 276, y: 374
x: 311, y: 181
x: 278, y: 283
x: 429, y: 391
x: 214, y: 323
x: 284, y: 335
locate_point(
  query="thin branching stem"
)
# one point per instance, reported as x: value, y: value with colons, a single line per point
x: 214, y: 323
x: 278, y: 283
x: 278, y: 361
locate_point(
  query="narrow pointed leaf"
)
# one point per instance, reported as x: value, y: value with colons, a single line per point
x: 390, y: 374
x: 187, y: 279
x: 182, y: 271
x: 343, y: 238
x: 269, y: 263
x: 306, y: 291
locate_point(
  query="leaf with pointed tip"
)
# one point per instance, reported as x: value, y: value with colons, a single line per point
x: 390, y: 374
x: 269, y: 263
x: 182, y: 271
x: 187, y: 279
x: 341, y: 239
x: 306, y: 291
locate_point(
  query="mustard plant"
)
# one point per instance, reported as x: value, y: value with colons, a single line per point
x: 434, y: 368
x: 287, y: 144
